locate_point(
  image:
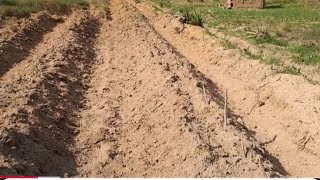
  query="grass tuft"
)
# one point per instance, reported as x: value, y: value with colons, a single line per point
x: 197, y: 17
x: 186, y: 14
x: 164, y: 3
x: 192, y: 16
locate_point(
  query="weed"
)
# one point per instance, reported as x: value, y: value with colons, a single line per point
x: 186, y: 14
x: 197, y: 17
x: 192, y: 16
x: 305, y: 54
x: 271, y: 40
x: 290, y: 70
x: 251, y: 55
x: 164, y: 3
x: 227, y: 44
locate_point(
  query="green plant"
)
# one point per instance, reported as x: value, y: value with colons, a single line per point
x: 291, y: 70
x: 186, y: 14
x: 197, y: 17
x: 22, y: 8
x: 304, y: 54
x: 251, y: 55
x: 164, y: 3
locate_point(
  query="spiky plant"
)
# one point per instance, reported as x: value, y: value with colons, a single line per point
x: 186, y: 14
x: 197, y: 17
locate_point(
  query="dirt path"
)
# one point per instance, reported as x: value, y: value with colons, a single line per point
x: 283, y: 110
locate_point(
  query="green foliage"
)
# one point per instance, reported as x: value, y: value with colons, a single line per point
x: 251, y: 55
x: 197, y: 17
x: 192, y: 16
x: 304, y: 54
x: 283, y: 23
x: 164, y: 3
x: 22, y: 8
x: 186, y: 14
x: 271, y: 40
x: 290, y: 70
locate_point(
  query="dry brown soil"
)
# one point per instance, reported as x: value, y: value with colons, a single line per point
x: 84, y: 95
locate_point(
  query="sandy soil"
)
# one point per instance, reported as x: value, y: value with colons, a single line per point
x: 282, y: 109
x: 126, y: 96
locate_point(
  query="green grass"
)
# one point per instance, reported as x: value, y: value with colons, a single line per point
x: 308, y: 55
x: 251, y: 55
x: 290, y: 70
x: 227, y: 44
x: 192, y: 16
x: 273, y: 61
x: 287, y: 26
x: 164, y: 3
x: 293, y: 25
x: 102, y: 4
x: 21, y: 8
x: 267, y: 38
x: 197, y: 17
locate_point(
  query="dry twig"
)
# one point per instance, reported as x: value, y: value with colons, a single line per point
x: 204, y: 93
x: 225, y: 108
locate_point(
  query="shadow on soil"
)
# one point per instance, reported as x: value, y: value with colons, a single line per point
x: 20, y: 45
x: 45, y: 149
x: 217, y: 96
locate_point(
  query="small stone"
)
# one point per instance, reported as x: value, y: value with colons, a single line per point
x: 261, y: 103
x: 85, y: 75
x: 66, y: 175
